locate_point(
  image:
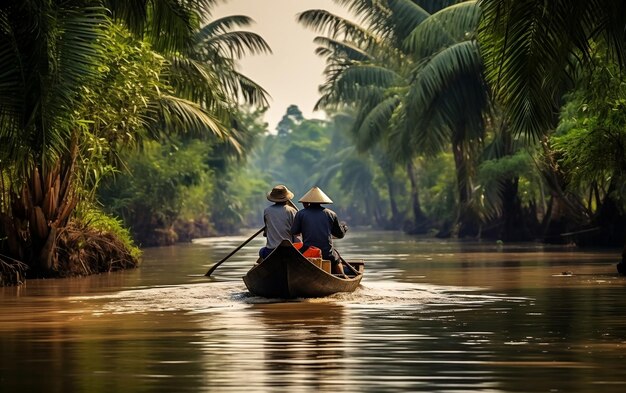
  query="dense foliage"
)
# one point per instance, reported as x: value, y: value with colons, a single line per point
x: 84, y: 82
x: 495, y: 119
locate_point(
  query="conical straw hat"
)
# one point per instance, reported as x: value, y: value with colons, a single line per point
x: 315, y: 195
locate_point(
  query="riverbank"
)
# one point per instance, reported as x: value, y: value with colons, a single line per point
x: 80, y: 250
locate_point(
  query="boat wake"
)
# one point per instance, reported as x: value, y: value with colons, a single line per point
x: 219, y: 296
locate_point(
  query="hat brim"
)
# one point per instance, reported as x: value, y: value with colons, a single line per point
x: 288, y: 197
x: 315, y: 195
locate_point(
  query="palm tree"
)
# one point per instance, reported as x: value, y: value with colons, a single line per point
x: 366, y: 71
x: 416, y: 78
x: 449, y: 97
x: 52, y: 61
x: 533, y: 50
x: 354, y: 173
x: 206, y: 71
x: 49, y: 52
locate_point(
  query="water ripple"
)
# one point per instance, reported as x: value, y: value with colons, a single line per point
x: 209, y: 297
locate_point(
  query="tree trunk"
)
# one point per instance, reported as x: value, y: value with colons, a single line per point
x: 396, y: 219
x: 566, y: 212
x: 608, y: 226
x: 555, y: 222
x: 468, y: 221
x: 38, y: 214
x: 515, y: 222
x: 420, y: 221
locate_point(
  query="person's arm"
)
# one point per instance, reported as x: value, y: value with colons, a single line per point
x: 295, y: 237
x: 296, y: 226
x: 264, y: 225
x: 337, y: 230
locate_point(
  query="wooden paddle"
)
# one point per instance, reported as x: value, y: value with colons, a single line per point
x: 212, y: 269
x: 346, y: 263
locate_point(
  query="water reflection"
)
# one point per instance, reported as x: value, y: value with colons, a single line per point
x: 274, y: 347
x: 430, y: 316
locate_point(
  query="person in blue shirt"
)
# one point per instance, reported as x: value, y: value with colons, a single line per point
x: 318, y: 225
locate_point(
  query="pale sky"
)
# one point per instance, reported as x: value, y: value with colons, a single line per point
x: 292, y: 74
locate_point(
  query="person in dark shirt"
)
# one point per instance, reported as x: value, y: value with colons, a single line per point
x: 318, y: 225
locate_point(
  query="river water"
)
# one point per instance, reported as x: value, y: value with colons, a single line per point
x: 431, y: 316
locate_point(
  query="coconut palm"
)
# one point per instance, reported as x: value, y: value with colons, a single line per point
x: 416, y: 78
x: 531, y: 46
x: 356, y: 173
x: 49, y: 52
x: 206, y: 73
x: 533, y: 50
x: 54, y: 60
x: 364, y: 70
x: 449, y: 97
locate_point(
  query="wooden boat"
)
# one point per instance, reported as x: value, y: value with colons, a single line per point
x: 287, y: 274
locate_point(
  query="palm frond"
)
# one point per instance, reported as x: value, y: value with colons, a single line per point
x: 432, y: 133
x: 234, y: 44
x: 405, y: 16
x: 611, y: 22
x: 357, y: 176
x: 167, y: 24
x: 340, y: 50
x: 448, y: 26
x: 11, y: 81
x: 195, y: 81
x: 353, y: 78
x: 253, y: 93
x: 187, y: 116
x: 446, y: 66
x: 341, y: 84
x: 222, y: 25
x: 368, y: 97
x: 334, y: 26
x: 367, y: 9
x: 526, y: 44
x: 78, y: 54
x: 215, y: 89
x: 73, y: 54
x: 326, y: 173
x: 372, y: 128
x: 406, y: 141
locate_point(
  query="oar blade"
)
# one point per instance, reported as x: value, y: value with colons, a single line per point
x: 211, y: 270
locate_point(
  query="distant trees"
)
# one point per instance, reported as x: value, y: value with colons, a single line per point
x: 425, y: 78
x: 290, y: 120
x: 416, y: 81
x: 455, y: 118
x: 490, y: 118
x: 319, y: 152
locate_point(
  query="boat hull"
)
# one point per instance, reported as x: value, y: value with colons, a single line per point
x: 286, y: 274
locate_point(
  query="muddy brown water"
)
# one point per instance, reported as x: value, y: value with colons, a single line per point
x: 431, y: 316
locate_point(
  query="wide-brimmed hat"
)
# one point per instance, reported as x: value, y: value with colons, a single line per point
x: 279, y: 193
x: 315, y: 195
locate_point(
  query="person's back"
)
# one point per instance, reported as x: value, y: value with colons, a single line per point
x: 278, y: 219
x: 318, y: 226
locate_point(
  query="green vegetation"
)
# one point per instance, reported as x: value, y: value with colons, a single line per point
x: 494, y: 119
x: 82, y: 83
x: 480, y: 83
